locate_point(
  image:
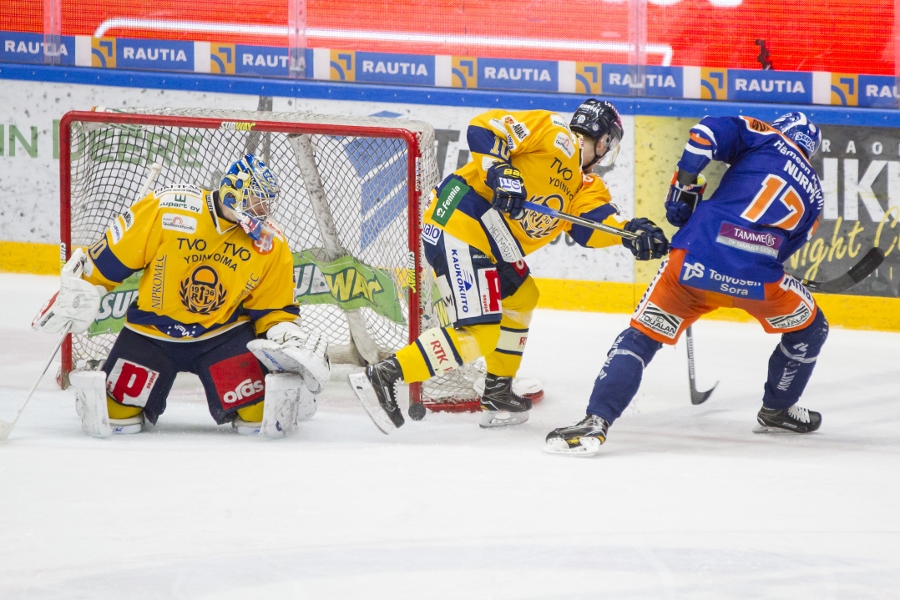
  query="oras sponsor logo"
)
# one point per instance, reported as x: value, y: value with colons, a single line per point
x: 246, y: 389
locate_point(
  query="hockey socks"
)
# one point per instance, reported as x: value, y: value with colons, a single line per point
x: 621, y: 375
x: 792, y: 363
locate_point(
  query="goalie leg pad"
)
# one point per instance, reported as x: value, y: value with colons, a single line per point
x: 90, y: 402
x: 287, y: 399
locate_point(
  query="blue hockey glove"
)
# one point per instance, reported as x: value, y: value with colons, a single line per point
x: 682, y: 199
x: 509, y: 189
x: 652, y: 242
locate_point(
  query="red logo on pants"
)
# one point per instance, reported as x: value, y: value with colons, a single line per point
x: 130, y: 383
x: 239, y: 380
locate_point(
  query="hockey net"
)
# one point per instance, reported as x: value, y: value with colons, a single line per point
x: 353, y: 193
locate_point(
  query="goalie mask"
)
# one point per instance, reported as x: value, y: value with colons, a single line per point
x: 251, y: 190
x: 599, y: 120
x: 800, y: 130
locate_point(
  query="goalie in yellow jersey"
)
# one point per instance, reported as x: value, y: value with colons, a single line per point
x: 477, y: 232
x: 217, y: 277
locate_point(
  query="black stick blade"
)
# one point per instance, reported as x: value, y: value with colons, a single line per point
x: 865, y: 267
x: 698, y: 397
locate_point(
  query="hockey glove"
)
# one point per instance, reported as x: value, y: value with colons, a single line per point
x: 290, y: 349
x: 683, y: 199
x: 77, y: 301
x: 650, y: 244
x: 509, y: 189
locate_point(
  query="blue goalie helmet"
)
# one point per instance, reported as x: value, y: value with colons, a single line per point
x: 800, y: 130
x: 250, y: 188
x: 600, y: 121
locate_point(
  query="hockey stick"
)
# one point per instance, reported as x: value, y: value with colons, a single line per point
x: 550, y: 212
x: 865, y: 267
x: 697, y: 397
x: 5, y: 427
x: 872, y: 259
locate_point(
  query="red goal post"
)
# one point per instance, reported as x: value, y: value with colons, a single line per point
x: 353, y: 193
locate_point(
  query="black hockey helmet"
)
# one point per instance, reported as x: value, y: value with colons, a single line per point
x: 598, y: 119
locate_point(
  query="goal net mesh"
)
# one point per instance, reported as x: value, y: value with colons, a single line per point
x: 353, y: 188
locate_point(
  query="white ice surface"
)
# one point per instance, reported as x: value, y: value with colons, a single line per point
x: 684, y: 501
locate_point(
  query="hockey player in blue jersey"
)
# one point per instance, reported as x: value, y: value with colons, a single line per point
x: 729, y: 252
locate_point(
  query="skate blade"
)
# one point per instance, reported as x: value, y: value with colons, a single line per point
x: 502, y: 418
x: 769, y: 429
x: 366, y: 395
x: 588, y: 447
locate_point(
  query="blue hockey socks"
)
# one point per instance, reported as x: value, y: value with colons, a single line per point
x: 792, y: 363
x: 620, y: 377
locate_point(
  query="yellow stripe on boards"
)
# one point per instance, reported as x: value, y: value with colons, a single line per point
x: 853, y: 312
x: 27, y: 257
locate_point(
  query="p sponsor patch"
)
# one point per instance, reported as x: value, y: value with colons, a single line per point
x: 130, y: 383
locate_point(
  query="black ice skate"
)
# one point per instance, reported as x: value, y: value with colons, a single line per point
x: 377, y: 391
x: 584, y: 438
x: 794, y: 419
x: 500, y: 406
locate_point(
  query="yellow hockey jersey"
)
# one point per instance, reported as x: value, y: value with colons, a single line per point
x: 540, y: 144
x: 202, y: 275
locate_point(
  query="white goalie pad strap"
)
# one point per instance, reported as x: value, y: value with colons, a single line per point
x: 90, y: 402
x: 286, y: 393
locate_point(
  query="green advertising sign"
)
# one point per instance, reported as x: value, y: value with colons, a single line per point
x: 347, y: 283
x: 344, y: 282
x: 114, y: 305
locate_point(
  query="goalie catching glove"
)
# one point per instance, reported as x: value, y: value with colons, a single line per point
x: 651, y: 242
x: 290, y: 349
x: 683, y: 198
x: 77, y: 301
x: 509, y: 189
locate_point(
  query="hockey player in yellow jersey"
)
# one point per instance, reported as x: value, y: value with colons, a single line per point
x: 477, y: 232
x: 215, y: 298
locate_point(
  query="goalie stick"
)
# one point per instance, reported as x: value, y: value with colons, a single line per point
x: 7, y: 427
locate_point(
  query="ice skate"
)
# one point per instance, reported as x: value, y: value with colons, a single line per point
x: 376, y: 389
x: 584, y: 438
x: 500, y: 406
x: 794, y: 419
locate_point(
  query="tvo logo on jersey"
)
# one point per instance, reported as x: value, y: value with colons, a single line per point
x: 244, y: 391
x: 692, y: 270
